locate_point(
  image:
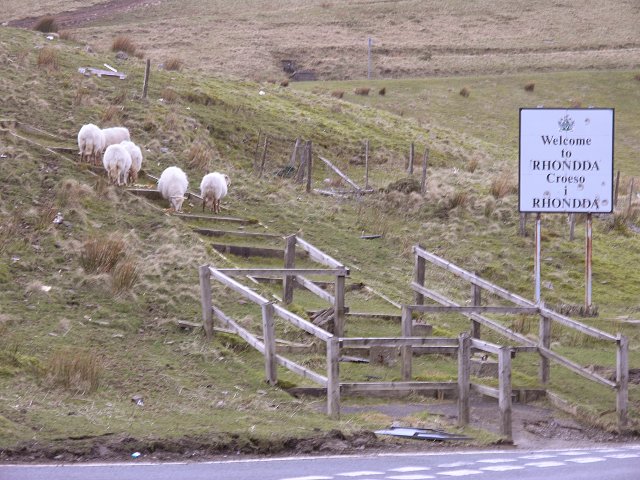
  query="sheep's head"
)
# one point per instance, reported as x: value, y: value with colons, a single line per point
x: 227, y: 179
x: 207, y: 200
x: 176, y: 202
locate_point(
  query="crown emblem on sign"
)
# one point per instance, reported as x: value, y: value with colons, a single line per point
x: 566, y: 123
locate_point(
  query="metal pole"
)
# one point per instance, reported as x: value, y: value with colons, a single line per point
x: 369, y: 60
x: 536, y: 262
x: 366, y: 164
x: 587, y: 269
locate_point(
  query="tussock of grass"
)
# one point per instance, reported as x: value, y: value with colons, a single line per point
x: 48, y: 58
x: 124, y: 43
x: 502, y: 186
x: 173, y: 64
x: 169, y: 95
x: 100, y: 255
x: 362, y: 91
x: 464, y: 92
x: 46, y: 24
x: 124, y: 276
x: 337, y: 93
x: 200, y: 156
x: 74, y: 369
x: 111, y: 114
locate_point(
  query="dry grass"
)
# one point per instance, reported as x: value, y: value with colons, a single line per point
x: 124, y: 276
x: 100, y: 255
x: 71, y: 192
x: 382, y: 91
x: 200, y: 156
x: 74, y: 369
x: 46, y: 24
x: 173, y: 64
x: 362, y: 91
x: 459, y: 199
x: 67, y: 35
x: 465, y: 92
x: 284, y: 83
x: 48, y: 58
x: 529, y: 87
x: 502, y: 186
x: 124, y: 43
x: 337, y: 93
x: 169, y: 95
x: 111, y: 114
x: 472, y: 164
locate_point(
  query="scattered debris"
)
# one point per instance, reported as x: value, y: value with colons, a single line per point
x: 88, y: 71
x: 135, y: 454
x: 45, y: 288
x: 59, y: 219
x: 138, y: 400
x: 110, y: 67
x: 421, y: 434
x: 370, y: 237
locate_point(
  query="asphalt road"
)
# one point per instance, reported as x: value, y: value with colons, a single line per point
x: 620, y: 462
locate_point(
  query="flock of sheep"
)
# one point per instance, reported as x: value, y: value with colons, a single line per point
x: 122, y: 159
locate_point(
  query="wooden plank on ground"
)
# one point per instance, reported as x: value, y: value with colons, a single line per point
x: 238, y: 233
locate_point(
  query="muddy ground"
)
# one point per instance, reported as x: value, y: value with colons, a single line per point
x: 534, y: 427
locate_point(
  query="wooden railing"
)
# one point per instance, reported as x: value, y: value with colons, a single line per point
x: 543, y: 345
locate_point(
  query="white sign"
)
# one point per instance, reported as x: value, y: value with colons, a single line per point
x: 566, y: 160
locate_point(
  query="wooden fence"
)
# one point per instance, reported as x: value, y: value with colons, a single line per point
x: 330, y: 381
x: 523, y: 306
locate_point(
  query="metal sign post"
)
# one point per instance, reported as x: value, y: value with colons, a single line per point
x: 587, y: 263
x: 536, y: 261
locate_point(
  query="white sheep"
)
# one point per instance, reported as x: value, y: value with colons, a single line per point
x: 116, y: 161
x: 90, y: 143
x: 173, y: 185
x: 115, y: 135
x: 212, y: 189
x: 136, y: 160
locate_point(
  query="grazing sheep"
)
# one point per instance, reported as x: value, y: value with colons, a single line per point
x: 90, y: 142
x: 115, y: 135
x: 116, y: 161
x: 136, y: 160
x: 212, y: 188
x: 173, y: 185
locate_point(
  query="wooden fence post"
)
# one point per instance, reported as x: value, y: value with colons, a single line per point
x: 268, y: 331
x: 407, y: 351
x: 264, y: 155
x: 504, y: 395
x: 205, y: 300
x: 572, y: 226
x: 411, y: 152
x: 339, y: 305
x: 615, y: 190
x: 333, y: 377
x: 255, y: 154
x: 294, y: 154
x: 476, y: 301
x: 366, y: 164
x: 419, y: 277
x: 523, y: 224
x: 288, y: 281
x: 303, y: 163
x: 309, y: 165
x: 622, y: 380
x: 423, y: 182
x: 145, y: 84
x: 464, y: 371
x: 544, y: 335
x: 630, y: 194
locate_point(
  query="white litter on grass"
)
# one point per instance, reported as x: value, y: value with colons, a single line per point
x: 45, y: 288
x: 110, y: 67
x: 261, y: 92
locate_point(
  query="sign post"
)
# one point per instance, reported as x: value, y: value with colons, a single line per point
x: 566, y: 166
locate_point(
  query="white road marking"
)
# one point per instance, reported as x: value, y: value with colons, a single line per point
x: 413, y: 476
x: 544, y: 464
x: 623, y: 455
x: 497, y: 460
x: 501, y: 468
x: 359, y: 474
x: 460, y: 473
x: 537, y: 456
x: 454, y: 464
x: 586, y: 459
x: 310, y: 477
x: 573, y: 453
x: 409, y: 469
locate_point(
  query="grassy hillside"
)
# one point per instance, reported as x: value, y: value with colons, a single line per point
x: 411, y: 38
x: 120, y: 324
